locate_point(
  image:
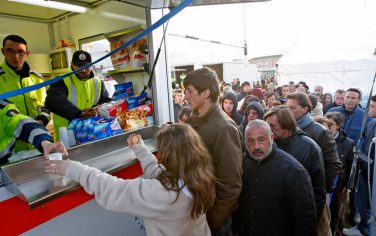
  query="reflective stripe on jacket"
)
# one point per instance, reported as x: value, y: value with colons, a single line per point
x: 28, y: 103
x: 83, y: 94
x: 14, y: 125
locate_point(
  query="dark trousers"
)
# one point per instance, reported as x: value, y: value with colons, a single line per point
x: 224, y: 230
x: 338, y: 210
x: 362, y: 203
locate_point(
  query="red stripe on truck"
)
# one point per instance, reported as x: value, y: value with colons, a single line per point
x: 16, y: 217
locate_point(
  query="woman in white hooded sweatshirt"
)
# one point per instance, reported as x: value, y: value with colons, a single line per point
x: 172, y: 196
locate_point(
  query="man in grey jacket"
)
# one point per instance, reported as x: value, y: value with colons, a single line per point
x: 222, y: 138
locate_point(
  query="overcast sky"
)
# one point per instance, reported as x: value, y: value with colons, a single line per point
x: 269, y: 27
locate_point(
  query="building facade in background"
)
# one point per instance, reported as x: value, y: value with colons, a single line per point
x: 267, y: 66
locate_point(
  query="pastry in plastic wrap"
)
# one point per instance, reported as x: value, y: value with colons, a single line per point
x: 137, y: 57
x: 121, y: 59
x: 131, y: 120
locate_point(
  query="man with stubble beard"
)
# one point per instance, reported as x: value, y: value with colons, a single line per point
x: 222, y: 138
x: 277, y: 195
x: 71, y: 97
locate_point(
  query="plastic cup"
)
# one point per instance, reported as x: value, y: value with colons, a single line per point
x: 63, y: 136
x: 71, y: 137
x: 55, y: 156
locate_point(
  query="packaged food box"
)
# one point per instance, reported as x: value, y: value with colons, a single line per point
x: 106, y: 128
x: 110, y: 109
x: 94, y: 128
x: 123, y: 90
x: 147, y: 107
x: 136, y: 101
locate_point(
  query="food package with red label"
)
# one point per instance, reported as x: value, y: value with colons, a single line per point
x: 110, y: 109
x: 129, y: 57
x: 147, y: 107
x: 137, y: 58
x: 122, y: 58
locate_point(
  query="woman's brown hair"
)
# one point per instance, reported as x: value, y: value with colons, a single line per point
x: 185, y: 157
x: 285, y: 118
x: 323, y: 120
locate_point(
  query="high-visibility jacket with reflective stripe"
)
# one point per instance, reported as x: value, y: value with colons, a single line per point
x: 83, y: 94
x: 14, y: 125
x: 28, y: 103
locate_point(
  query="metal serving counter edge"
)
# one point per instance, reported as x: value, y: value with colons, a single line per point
x: 28, y: 180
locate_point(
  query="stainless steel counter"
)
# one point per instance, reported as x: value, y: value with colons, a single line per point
x: 28, y: 180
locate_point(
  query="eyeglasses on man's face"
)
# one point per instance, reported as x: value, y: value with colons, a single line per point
x: 11, y: 51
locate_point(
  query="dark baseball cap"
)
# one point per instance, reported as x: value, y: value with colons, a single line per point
x: 245, y: 83
x: 81, y: 58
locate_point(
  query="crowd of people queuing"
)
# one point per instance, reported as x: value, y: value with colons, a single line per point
x: 242, y: 159
x: 297, y: 152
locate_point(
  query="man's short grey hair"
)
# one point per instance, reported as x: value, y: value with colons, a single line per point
x: 319, y: 86
x: 257, y: 124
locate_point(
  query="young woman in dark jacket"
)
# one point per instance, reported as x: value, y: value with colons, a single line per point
x: 345, y: 152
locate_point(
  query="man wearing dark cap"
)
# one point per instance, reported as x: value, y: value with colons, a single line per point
x: 71, y: 97
x: 246, y: 87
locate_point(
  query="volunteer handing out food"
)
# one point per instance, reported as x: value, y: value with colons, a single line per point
x: 14, y: 126
x: 15, y: 73
x: 173, y: 195
x: 73, y: 96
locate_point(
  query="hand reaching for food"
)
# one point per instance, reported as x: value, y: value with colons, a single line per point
x: 134, y: 139
x: 90, y: 112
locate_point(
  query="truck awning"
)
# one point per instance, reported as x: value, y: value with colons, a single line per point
x: 155, y: 4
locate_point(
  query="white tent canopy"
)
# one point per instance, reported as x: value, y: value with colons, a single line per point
x: 337, y: 55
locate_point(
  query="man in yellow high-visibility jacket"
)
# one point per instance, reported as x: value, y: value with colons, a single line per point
x: 71, y: 97
x: 15, y: 126
x: 15, y: 73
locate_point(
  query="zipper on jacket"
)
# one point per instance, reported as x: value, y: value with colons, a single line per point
x: 27, y: 109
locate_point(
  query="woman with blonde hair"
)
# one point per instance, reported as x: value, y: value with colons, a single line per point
x: 174, y: 193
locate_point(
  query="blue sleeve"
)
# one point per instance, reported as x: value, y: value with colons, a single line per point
x: 34, y: 133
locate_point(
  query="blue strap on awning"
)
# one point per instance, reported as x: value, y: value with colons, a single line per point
x: 148, y: 30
